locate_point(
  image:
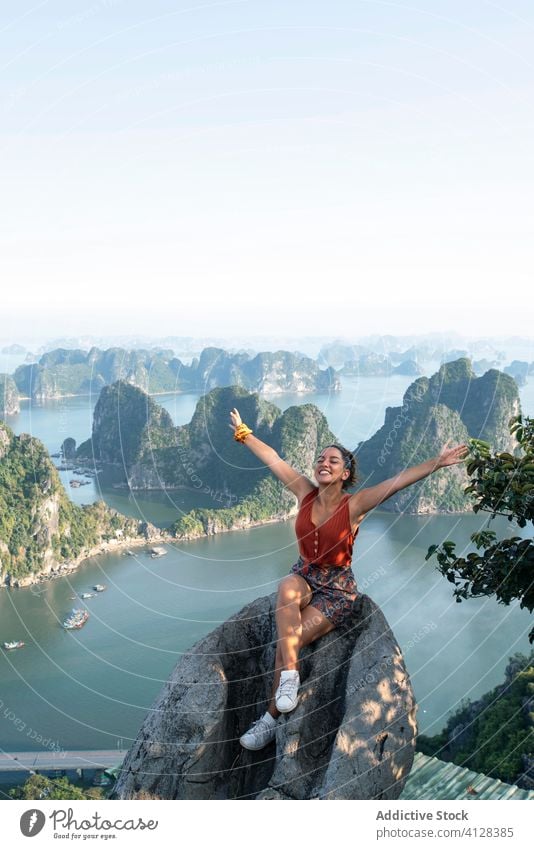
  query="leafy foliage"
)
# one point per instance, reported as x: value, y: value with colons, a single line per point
x: 297, y: 435
x: 452, y: 404
x: 501, y: 484
x: 36, y: 516
x: 492, y: 735
x: 132, y: 431
x: 127, y: 425
x: 41, y: 787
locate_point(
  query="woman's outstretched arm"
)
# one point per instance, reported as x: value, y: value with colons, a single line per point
x: 297, y: 483
x: 367, y: 499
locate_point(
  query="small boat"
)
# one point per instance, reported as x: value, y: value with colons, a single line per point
x: 87, y: 595
x: 76, y: 619
x: 99, y: 588
x: 130, y: 553
x: 14, y: 644
x: 157, y: 551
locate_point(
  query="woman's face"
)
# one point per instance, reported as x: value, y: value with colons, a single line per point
x: 330, y: 467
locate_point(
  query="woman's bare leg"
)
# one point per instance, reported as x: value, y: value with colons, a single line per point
x: 298, y: 624
x: 294, y: 594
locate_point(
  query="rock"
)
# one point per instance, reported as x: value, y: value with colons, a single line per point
x: 453, y: 404
x: 409, y: 367
x: 68, y: 448
x: 149, y: 531
x: 352, y: 735
x: 66, y: 372
x: 134, y: 439
x: 9, y: 396
x: 518, y: 369
x: 50, y: 531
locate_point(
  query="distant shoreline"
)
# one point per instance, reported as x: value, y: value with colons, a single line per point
x: 109, y: 547
x: 91, y: 395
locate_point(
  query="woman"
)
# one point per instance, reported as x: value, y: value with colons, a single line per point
x: 318, y: 595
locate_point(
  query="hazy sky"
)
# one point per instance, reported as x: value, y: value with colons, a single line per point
x: 296, y: 167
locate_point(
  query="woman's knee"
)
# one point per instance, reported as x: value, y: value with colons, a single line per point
x: 292, y: 588
x: 287, y: 590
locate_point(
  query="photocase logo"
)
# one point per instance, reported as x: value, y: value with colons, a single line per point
x: 32, y: 822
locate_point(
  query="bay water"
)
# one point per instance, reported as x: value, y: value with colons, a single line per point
x: 91, y: 688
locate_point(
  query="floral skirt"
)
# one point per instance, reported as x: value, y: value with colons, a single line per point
x: 333, y: 587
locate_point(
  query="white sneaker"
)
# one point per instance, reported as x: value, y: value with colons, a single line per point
x: 286, y: 698
x: 260, y: 733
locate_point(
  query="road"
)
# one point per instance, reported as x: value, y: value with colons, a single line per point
x: 36, y: 761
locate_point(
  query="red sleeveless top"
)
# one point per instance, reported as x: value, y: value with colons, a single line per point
x: 328, y: 544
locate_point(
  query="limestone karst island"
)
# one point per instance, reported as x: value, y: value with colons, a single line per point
x: 169, y: 539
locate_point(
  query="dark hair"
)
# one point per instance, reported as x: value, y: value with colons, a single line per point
x: 349, y: 461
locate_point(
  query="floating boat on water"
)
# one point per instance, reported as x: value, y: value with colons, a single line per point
x: 14, y: 644
x: 157, y: 551
x: 99, y: 588
x: 87, y: 595
x: 76, y: 619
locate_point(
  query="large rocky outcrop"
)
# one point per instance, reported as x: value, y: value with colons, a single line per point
x: 128, y: 426
x: 378, y: 365
x: 67, y: 372
x: 266, y: 373
x: 42, y: 533
x: 453, y: 404
x: 9, y: 396
x: 352, y: 735
x: 136, y: 436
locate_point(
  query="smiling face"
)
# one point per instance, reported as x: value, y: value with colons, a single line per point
x: 330, y: 467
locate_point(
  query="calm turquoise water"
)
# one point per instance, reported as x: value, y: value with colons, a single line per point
x: 92, y: 688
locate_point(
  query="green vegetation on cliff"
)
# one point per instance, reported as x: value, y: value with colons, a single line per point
x: 494, y: 735
x: 453, y: 404
x: 131, y: 432
x: 40, y: 528
x: 75, y: 372
x: 127, y: 426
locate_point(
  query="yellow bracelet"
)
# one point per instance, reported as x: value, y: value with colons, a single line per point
x: 241, y: 432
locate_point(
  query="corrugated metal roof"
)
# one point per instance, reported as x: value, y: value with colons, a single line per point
x: 431, y: 778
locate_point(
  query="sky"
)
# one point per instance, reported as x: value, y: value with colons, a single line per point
x: 243, y: 167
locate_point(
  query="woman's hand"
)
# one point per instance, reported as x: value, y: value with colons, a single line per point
x: 298, y: 484
x: 235, y: 418
x: 367, y: 499
x: 449, y: 456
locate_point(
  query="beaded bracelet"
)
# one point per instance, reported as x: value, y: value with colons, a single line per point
x: 241, y: 432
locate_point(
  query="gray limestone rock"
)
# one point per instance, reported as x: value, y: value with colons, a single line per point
x: 9, y: 396
x: 352, y: 735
